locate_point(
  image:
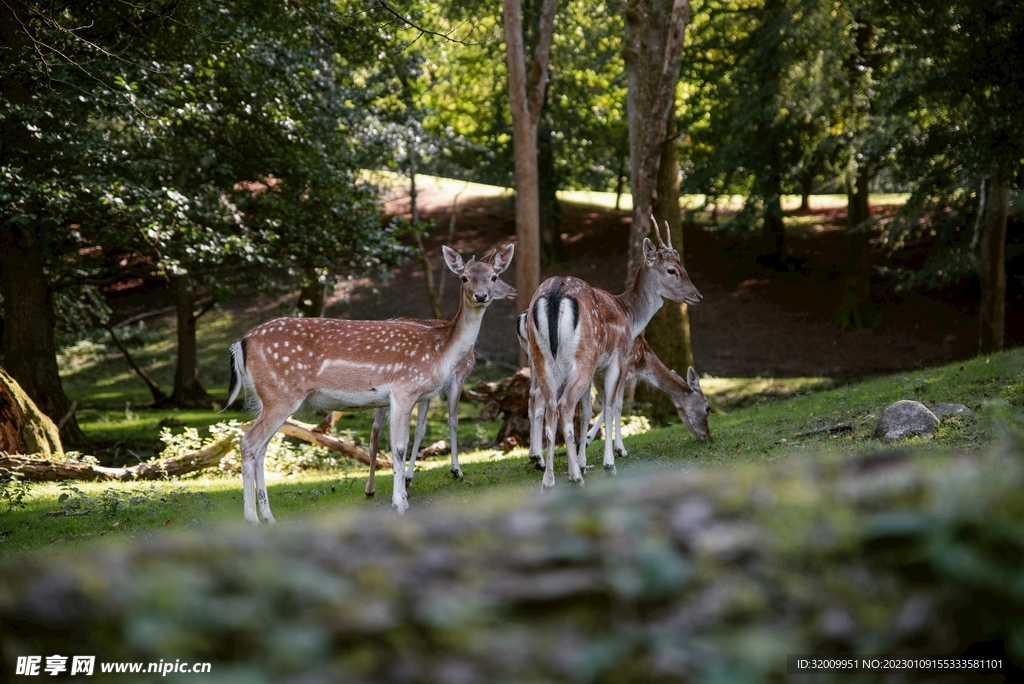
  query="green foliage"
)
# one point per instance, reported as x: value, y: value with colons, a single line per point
x: 13, y: 491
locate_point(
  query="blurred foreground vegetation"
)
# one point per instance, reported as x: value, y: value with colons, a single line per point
x: 707, y: 575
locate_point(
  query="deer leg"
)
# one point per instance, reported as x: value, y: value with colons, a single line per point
x: 596, y: 428
x: 421, y: 428
x: 620, y: 396
x: 571, y: 396
x: 401, y: 413
x: 378, y: 422
x: 537, y: 415
x: 550, y: 406
x: 454, y: 391
x: 613, y: 383
x: 253, y: 446
x: 585, y: 413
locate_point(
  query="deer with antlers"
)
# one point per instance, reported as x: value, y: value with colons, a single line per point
x: 686, y: 394
x: 573, y: 329
x: 328, y: 364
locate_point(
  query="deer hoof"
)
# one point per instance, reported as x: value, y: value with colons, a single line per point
x: 400, y: 507
x: 579, y: 482
x: 610, y: 469
x: 457, y: 473
x: 269, y: 519
x: 621, y: 453
x: 537, y: 461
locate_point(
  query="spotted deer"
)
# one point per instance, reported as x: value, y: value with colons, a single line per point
x: 686, y: 394
x: 328, y: 364
x: 573, y: 329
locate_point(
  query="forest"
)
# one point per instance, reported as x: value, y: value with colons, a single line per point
x: 838, y: 182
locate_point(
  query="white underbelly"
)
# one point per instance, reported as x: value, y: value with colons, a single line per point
x: 337, y: 400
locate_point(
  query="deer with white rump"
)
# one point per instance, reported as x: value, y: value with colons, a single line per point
x: 330, y: 364
x: 573, y: 329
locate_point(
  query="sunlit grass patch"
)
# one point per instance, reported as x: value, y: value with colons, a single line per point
x: 726, y: 392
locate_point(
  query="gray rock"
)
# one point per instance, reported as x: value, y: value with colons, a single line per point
x: 904, y: 419
x: 946, y: 409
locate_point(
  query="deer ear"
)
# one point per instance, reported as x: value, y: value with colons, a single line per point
x: 503, y: 258
x: 692, y: 379
x: 649, y: 249
x: 452, y: 258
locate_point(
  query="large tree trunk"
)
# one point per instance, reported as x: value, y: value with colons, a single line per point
x: 552, y: 248
x: 24, y: 429
x: 187, y: 389
x: 30, y: 352
x: 856, y: 310
x: 652, y: 50
x: 312, y: 295
x: 526, y: 95
x: 992, y: 267
x: 668, y: 333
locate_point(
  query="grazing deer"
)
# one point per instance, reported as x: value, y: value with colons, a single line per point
x: 687, y: 396
x: 573, y: 329
x: 331, y: 364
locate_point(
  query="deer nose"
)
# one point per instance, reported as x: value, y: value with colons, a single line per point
x: 480, y: 297
x: 700, y: 297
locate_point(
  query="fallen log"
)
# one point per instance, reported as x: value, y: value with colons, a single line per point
x: 45, y: 470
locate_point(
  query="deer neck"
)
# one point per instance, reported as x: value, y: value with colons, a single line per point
x: 462, y: 333
x: 641, y: 301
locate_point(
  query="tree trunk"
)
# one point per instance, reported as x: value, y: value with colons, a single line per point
x: 24, y: 429
x: 187, y: 390
x: 773, y: 229
x: 159, y: 398
x: 856, y: 309
x: 668, y: 333
x: 312, y: 295
x: 652, y: 50
x: 620, y: 177
x: 806, y: 187
x: 30, y: 351
x: 992, y: 267
x: 553, y: 249
x: 526, y: 95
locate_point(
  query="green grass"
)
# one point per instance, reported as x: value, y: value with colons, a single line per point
x: 764, y: 430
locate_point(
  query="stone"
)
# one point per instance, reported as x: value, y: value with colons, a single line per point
x: 948, y: 410
x: 905, y: 418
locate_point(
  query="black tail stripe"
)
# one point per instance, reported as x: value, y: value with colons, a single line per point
x: 553, y: 301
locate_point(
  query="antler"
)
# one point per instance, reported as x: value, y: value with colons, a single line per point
x: 668, y: 234
x: 657, y: 232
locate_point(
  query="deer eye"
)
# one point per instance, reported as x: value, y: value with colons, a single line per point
x: 465, y: 279
x: 708, y: 409
x: 671, y: 271
x: 494, y: 278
